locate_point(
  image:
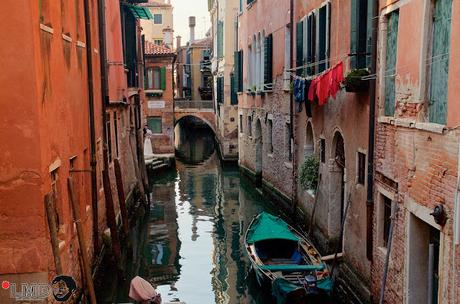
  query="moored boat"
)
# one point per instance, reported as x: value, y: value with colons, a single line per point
x: 280, y: 255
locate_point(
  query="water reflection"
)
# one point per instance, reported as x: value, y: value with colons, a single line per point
x: 198, y: 237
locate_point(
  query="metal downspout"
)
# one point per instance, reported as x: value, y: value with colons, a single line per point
x: 93, y: 161
x: 371, y: 142
x: 104, y: 73
x: 291, y: 110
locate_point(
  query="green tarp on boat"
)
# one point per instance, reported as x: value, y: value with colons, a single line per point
x: 282, y: 289
x: 267, y: 226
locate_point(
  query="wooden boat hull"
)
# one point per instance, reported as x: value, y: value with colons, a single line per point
x: 301, y: 275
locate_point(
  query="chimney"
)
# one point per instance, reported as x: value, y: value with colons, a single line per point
x: 192, y: 23
x: 178, y: 41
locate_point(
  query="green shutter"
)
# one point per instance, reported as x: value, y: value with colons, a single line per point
x: 240, y: 71
x: 437, y: 107
x: 353, y: 33
x: 299, y: 47
x: 233, y: 88
x: 311, y: 43
x: 268, y: 59
x: 220, y: 39
x: 390, y: 68
x: 220, y: 89
x: 154, y: 124
x: 370, y: 27
x: 322, y: 32
x: 236, y: 73
x: 163, y: 78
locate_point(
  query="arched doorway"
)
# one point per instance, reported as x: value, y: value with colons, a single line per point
x: 309, y: 148
x: 337, y: 186
x: 259, y: 151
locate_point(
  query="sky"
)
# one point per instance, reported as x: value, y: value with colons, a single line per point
x: 185, y: 8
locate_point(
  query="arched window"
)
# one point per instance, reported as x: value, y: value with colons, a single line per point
x: 309, y: 147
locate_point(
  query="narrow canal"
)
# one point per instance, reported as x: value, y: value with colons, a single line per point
x: 191, y: 244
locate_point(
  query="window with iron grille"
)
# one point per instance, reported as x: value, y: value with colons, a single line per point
x: 241, y: 124
x: 322, y: 150
x: 361, y: 168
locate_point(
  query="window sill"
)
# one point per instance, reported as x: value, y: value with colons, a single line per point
x: 288, y: 165
x: 412, y: 124
x: 47, y: 29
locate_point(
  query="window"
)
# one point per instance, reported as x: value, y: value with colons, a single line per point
x: 361, y: 168
x: 108, y: 137
x: 220, y: 39
x: 220, y: 90
x: 239, y: 71
x: 270, y: 135
x: 249, y: 125
x: 289, y: 141
x: 386, y: 219
x: 233, y: 88
x: 158, y: 19
x: 158, y: 41
x: 241, y: 124
x: 361, y: 31
x: 439, y: 59
x: 287, y: 57
x: 309, y: 141
x: 268, y: 61
x: 390, y: 67
x: 312, y: 41
x: 154, y: 124
x: 156, y: 78
x: 322, y: 143
x: 115, y: 127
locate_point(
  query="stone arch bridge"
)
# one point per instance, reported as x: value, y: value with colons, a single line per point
x: 202, y: 109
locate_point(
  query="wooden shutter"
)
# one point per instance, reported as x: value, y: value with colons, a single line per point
x: 220, y: 89
x: 233, y: 88
x: 370, y: 28
x: 390, y: 68
x: 439, y: 60
x: 240, y: 71
x: 322, y: 32
x: 220, y: 39
x: 311, y: 43
x: 354, y: 33
x: 268, y: 59
x: 299, y: 47
x: 163, y: 78
x: 236, y: 73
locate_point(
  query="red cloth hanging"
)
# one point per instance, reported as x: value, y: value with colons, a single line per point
x: 336, y: 78
x: 312, y: 90
x: 327, y: 84
x: 322, y: 89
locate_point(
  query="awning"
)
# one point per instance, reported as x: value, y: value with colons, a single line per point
x: 139, y: 12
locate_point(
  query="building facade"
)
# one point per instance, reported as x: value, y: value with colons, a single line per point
x: 332, y: 39
x: 264, y: 105
x: 160, y: 29
x: 159, y: 90
x: 64, y: 133
x: 416, y: 197
x: 224, y: 32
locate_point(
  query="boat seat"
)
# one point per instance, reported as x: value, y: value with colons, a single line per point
x: 292, y: 267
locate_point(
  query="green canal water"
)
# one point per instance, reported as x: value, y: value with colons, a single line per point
x: 190, y: 244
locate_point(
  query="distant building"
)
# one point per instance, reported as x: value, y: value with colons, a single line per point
x: 159, y: 86
x: 224, y: 32
x: 160, y: 29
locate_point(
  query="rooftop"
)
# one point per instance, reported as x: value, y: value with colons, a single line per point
x: 154, y: 49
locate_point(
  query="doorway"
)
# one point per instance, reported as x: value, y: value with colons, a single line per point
x: 423, y: 262
x: 337, y: 187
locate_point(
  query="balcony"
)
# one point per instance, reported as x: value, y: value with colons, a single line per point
x: 193, y: 104
x: 205, y: 93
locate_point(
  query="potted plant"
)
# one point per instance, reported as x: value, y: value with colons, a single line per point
x: 354, y: 82
x: 252, y: 91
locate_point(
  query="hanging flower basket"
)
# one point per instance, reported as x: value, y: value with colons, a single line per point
x: 354, y: 83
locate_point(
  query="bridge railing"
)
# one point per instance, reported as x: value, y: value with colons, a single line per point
x: 194, y: 104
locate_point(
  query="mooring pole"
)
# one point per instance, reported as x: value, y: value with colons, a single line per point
x: 81, y: 241
x: 111, y: 219
x: 121, y: 197
x: 51, y: 216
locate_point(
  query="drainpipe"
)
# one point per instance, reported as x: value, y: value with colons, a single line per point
x: 291, y: 110
x: 93, y: 162
x: 104, y: 74
x: 371, y: 142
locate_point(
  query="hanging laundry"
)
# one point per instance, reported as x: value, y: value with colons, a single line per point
x: 336, y: 79
x: 312, y: 90
x: 299, y: 89
x: 322, y: 88
x: 307, y: 102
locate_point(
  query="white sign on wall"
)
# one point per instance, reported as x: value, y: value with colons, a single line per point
x: 156, y: 104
